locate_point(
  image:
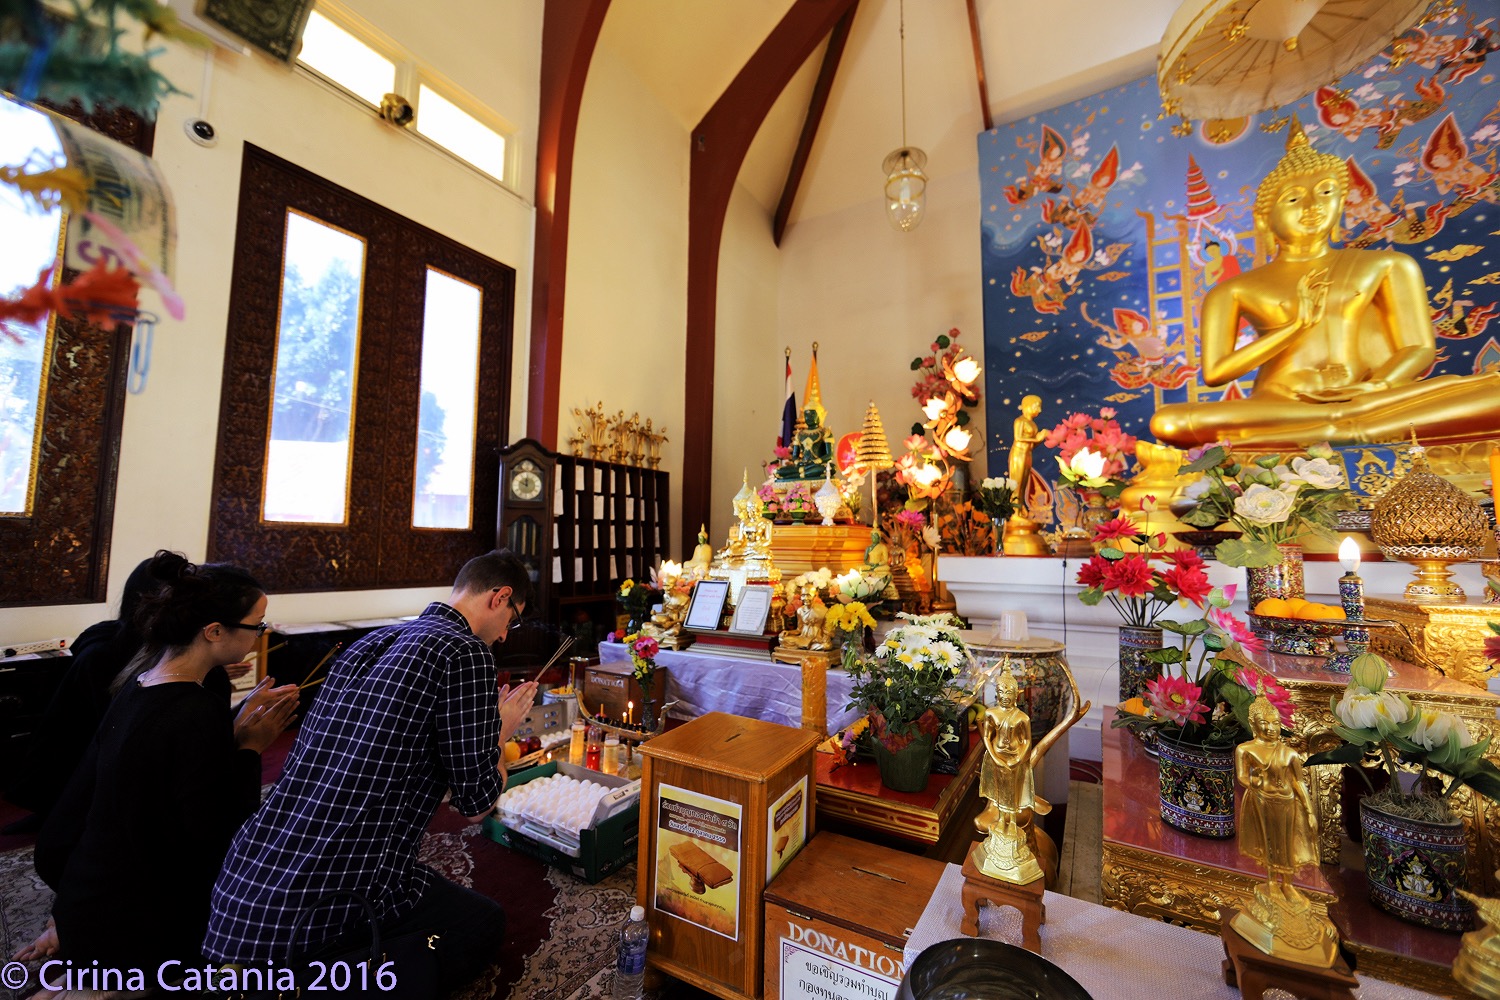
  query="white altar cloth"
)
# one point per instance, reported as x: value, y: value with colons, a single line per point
x: 703, y: 682
x: 1113, y: 954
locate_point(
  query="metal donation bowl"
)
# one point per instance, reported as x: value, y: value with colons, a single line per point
x: 980, y: 969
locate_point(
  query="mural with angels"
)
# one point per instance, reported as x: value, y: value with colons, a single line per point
x: 1104, y: 224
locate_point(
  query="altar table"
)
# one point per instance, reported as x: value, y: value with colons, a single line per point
x: 702, y: 682
x: 1153, y: 870
x: 1112, y: 954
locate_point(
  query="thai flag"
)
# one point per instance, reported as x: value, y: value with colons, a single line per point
x: 788, y: 410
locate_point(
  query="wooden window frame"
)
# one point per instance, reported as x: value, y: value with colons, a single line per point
x: 59, y: 554
x: 378, y: 547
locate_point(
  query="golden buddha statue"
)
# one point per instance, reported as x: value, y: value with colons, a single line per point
x: 1342, y: 336
x: 812, y: 631
x: 1019, y: 536
x: 746, y: 558
x: 1006, y: 780
x: 1478, y: 963
x: 1279, y: 829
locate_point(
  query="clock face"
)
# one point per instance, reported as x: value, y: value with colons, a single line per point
x: 526, y: 482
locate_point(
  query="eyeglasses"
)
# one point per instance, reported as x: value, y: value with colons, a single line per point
x: 260, y: 629
x: 515, y: 617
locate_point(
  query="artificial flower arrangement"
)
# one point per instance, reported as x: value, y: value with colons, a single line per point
x: 1272, y: 500
x: 997, y: 498
x: 1437, y: 743
x: 1102, y: 436
x: 909, y: 688
x: 637, y: 598
x: 1143, y: 584
x: 1206, y: 703
x: 844, y: 622
x: 643, y: 650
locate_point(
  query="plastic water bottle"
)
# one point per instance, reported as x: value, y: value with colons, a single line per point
x: 630, y: 965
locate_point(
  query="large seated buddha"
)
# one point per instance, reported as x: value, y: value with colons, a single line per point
x: 1343, y: 337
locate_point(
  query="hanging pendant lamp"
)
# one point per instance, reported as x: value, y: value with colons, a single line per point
x: 905, y: 183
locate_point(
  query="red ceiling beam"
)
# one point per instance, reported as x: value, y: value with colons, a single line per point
x: 569, y: 33
x: 815, y: 107
x: 984, y: 90
x: 719, y: 144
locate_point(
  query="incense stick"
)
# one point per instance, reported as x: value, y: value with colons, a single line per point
x: 308, y: 680
x: 567, y: 642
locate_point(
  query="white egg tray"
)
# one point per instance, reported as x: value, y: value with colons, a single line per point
x: 555, y: 808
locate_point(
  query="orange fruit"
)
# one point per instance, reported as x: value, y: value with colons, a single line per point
x: 1273, y: 606
x: 1325, y: 612
x: 1294, y: 607
x: 512, y: 751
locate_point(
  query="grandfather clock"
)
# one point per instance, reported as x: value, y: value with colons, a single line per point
x: 527, y: 475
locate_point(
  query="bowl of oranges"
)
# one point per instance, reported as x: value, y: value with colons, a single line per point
x: 1297, y: 626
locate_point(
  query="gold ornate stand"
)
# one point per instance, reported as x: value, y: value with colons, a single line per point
x: 1448, y: 636
x: 801, y: 548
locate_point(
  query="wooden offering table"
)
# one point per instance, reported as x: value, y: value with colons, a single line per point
x: 853, y: 800
x: 1157, y: 871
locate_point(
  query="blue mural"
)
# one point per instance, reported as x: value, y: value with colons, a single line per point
x: 1103, y: 224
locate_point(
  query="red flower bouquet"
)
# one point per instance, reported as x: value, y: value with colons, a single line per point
x: 1143, y: 583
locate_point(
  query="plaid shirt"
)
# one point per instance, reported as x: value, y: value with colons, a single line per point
x: 406, y: 713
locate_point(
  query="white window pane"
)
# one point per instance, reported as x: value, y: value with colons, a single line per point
x: 346, y: 60
x: 459, y: 132
x: 445, y: 422
x: 317, y: 354
x: 29, y: 246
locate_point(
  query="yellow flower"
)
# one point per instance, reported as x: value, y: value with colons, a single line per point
x: 627, y: 587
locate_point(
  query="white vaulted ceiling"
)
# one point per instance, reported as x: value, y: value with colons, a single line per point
x: 1036, y: 55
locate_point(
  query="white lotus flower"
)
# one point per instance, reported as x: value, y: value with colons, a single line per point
x: 1319, y: 473
x: 1088, y: 464
x: 1263, y: 505
x: 1361, y: 709
x: 1433, y: 727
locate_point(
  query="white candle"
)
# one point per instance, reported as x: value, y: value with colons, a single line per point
x: 630, y: 711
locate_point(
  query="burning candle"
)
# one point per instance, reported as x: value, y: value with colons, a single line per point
x: 1495, y: 478
x: 630, y: 711
x: 1349, y: 550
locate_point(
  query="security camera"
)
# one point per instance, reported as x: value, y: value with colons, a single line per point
x: 201, y: 131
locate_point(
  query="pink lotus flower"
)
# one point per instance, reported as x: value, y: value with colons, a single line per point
x: 1177, y: 700
x: 1184, y: 558
x: 1091, y: 573
x: 1131, y: 576
x: 1277, y: 695
x: 1119, y: 527
x: 1492, y: 648
x: 1192, y: 584
x: 1235, y: 629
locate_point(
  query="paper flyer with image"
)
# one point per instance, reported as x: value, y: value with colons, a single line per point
x: 786, y: 829
x: 698, y: 875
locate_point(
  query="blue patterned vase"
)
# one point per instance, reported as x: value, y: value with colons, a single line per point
x: 1414, y: 868
x: 1136, y: 670
x: 1197, y: 787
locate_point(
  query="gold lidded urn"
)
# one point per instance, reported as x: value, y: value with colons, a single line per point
x: 1429, y: 522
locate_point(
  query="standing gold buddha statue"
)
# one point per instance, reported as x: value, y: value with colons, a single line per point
x: 1342, y: 336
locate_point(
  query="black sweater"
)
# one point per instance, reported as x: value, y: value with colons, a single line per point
x: 135, y: 842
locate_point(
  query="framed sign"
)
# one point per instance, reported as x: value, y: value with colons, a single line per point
x: 707, y: 605
x: 754, y: 608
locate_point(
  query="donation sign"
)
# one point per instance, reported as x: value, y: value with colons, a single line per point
x: 786, y: 830
x: 698, y: 873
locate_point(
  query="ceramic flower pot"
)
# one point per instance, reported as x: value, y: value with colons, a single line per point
x: 1135, y: 668
x: 1414, y: 868
x: 1283, y: 579
x: 907, y: 769
x: 1197, y: 787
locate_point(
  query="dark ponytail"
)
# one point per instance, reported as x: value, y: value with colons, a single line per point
x: 190, y: 597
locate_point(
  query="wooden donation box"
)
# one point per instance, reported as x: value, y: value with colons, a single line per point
x: 726, y: 802
x: 838, y: 918
x: 609, y: 689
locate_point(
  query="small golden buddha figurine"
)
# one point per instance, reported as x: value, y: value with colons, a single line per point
x: 811, y: 632
x: 1342, y: 336
x: 703, y: 556
x: 1478, y: 963
x: 1006, y: 781
x: 1278, y: 829
x: 1020, y: 536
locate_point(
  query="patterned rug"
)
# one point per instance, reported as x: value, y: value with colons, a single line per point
x: 560, y: 931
